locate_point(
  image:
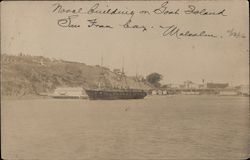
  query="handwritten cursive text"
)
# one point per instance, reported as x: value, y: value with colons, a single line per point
x: 173, y: 30
x: 67, y: 22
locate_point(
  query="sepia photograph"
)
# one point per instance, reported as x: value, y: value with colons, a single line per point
x: 125, y: 80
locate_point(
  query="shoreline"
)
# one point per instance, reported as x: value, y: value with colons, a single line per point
x: 34, y: 97
x: 3, y: 97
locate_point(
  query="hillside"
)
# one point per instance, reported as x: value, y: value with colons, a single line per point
x: 32, y: 75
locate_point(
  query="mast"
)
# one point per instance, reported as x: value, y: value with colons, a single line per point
x: 101, y: 78
x: 123, y: 65
x: 136, y: 72
x: 101, y: 60
x: 137, y: 78
x: 123, y: 76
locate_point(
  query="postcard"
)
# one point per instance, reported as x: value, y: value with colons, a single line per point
x: 125, y: 79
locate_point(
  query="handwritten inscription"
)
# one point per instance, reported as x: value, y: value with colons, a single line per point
x: 129, y: 24
x: 67, y: 22
x: 94, y: 23
x: 193, y: 10
x: 58, y: 8
x: 73, y: 18
x: 95, y: 9
x: 235, y: 34
x: 173, y: 30
x: 164, y: 10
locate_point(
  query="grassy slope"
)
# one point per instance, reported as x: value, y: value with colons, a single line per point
x: 31, y: 75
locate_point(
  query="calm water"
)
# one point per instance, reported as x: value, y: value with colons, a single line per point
x: 179, y: 127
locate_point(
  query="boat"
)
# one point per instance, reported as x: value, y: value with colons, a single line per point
x: 112, y: 94
x: 105, y: 93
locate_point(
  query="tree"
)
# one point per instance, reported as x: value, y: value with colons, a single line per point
x: 154, y: 79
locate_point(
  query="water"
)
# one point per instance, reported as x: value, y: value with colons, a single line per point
x: 178, y: 127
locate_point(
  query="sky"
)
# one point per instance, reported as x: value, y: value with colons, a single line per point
x: 31, y: 28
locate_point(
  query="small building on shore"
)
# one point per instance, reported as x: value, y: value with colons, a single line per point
x: 243, y: 90
x: 69, y: 93
x: 164, y: 92
x: 157, y: 92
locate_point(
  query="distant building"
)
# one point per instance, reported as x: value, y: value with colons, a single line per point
x: 243, y: 90
x: 229, y: 91
x: 191, y: 85
x: 164, y: 92
x: 171, y: 86
x: 202, y: 86
x: 217, y: 85
x: 195, y: 86
x: 154, y: 92
x: 187, y: 84
x: 159, y: 92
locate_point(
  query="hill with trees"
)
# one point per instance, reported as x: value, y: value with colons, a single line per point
x: 31, y: 75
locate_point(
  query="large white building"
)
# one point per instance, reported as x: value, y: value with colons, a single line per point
x: 69, y: 92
